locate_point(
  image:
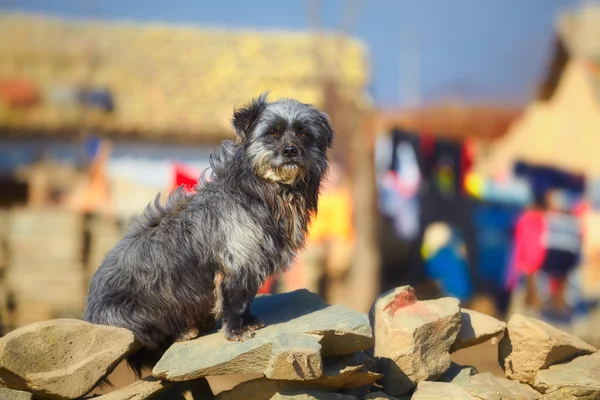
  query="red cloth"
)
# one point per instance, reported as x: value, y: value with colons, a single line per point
x: 18, y: 92
x: 184, y: 175
x: 529, y: 251
x: 467, y: 156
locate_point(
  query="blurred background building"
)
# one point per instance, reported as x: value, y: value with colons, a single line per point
x: 462, y: 128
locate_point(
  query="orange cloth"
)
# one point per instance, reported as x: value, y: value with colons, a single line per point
x: 334, y: 219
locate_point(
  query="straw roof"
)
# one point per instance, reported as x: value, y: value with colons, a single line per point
x: 166, y: 81
x: 562, y: 130
x: 452, y: 121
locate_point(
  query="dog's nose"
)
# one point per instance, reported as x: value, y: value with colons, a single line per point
x: 290, y: 151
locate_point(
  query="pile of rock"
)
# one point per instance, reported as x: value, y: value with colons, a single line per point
x: 311, y: 350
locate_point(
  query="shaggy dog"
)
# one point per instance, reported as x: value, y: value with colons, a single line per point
x: 204, y: 255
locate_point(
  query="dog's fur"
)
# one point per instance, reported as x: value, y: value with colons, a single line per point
x: 204, y: 255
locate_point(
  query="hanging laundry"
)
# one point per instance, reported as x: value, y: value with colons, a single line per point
x: 18, y: 92
x: 97, y: 98
x: 62, y: 95
x: 399, y: 184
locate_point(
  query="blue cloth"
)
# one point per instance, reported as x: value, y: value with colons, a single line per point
x: 451, y: 272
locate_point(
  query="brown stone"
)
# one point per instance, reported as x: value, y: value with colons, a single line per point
x: 412, y: 338
x: 531, y: 345
x: 338, y: 373
x: 311, y: 395
x: 62, y: 359
x: 486, y: 386
x: 476, y: 328
x: 139, y: 390
x: 572, y: 393
x: 583, y: 371
x: 440, y: 391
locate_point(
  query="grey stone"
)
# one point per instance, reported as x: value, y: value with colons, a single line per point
x: 311, y: 395
x: 476, y: 328
x: 300, y: 329
x: 413, y: 338
x: 458, y: 374
x: 486, y: 386
x: 10, y: 394
x: 572, y: 393
x: 531, y: 345
x: 62, y: 359
x: 583, y: 371
x: 440, y: 391
x: 380, y: 396
x: 346, y: 372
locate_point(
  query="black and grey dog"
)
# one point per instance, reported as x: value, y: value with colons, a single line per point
x: 203, y: 256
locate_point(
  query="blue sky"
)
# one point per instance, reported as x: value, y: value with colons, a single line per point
x: 475, y: 50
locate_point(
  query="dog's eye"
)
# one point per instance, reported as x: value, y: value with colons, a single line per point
x: 274, y: 133
x: 301, y: 134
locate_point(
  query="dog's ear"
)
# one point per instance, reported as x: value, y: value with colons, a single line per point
x: 325, y: 128
x: 245, y: 117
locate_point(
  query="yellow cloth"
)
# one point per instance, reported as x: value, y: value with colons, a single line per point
x: 334, y: 219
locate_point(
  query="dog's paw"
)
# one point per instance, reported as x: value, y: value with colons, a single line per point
x: 240, y: 334
x: 190, y: 334
x: 253, y: 323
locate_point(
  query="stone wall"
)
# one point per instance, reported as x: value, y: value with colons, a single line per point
x: 47, y: 257
x: 311, y: 350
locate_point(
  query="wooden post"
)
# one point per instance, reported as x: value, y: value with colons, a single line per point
x: 365, y: 273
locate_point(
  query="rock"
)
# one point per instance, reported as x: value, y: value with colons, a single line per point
x: 311, y: 395
x: 412, y: 338
x: 380, y: 396
x: 583, y: 371
x: 10, y: 394
x: 63, y: 358
x: 197, y: 389
x: 152, y: 388
x: 440, y: 391
x: 476, y: 328
x: 572, y: 393
x: 338, y: 373
x: 486, y: 386
x: 457, y: 374
x: 300, y: 329
x: 139, y: 390
x: 531, y: 345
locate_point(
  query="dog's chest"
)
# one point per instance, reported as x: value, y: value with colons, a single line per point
x: 292, y: 219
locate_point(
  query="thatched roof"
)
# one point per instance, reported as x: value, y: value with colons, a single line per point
x: 166, y: 81
x: 452, y: 121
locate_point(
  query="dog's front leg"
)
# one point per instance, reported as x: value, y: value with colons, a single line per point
x: 238, y: 323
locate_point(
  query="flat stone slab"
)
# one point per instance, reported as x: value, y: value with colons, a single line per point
x: 486, y: 386
x: 413, y: 338
x: 300, y: 329
x: 440, y: 391
x: 476, y: 328
x: 458, y: 374
x: 572, y: 393
x: 531, y: 345
x: 339, y: 373
x: 62, y: 358
x: 380, y: 396
x: 10, y: 394
x: 139, y: 390
x: 312, y: 395
x: 583, y: 371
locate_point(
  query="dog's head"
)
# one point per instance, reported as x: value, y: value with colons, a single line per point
x: 286, y: 141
